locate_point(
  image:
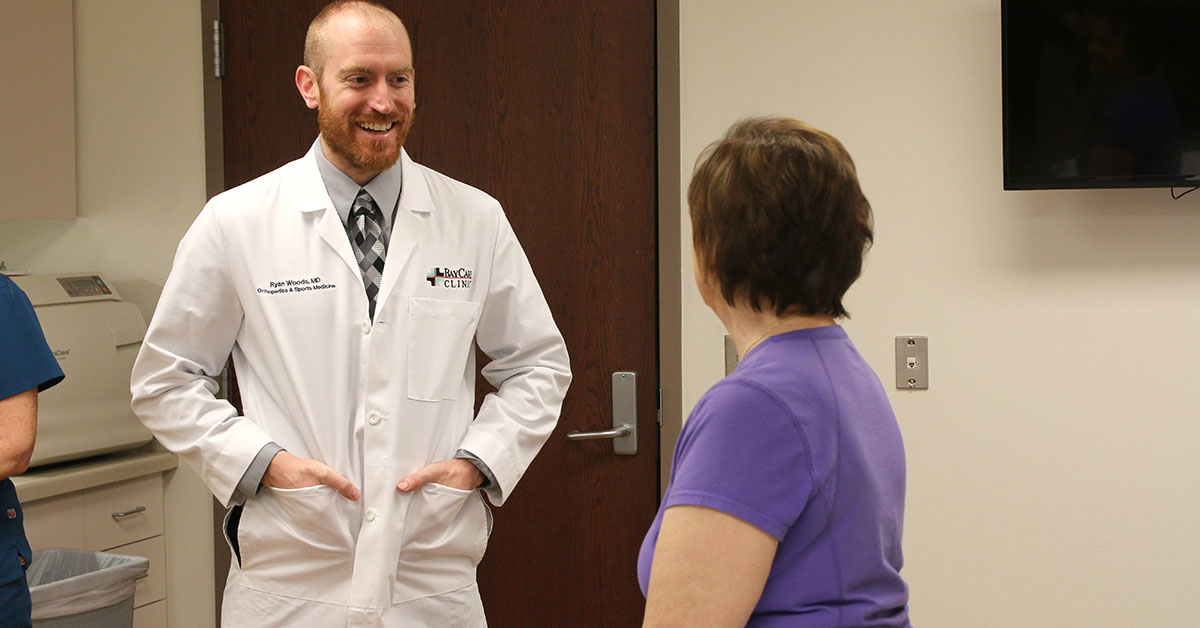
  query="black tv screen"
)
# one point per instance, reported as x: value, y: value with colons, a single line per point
x: 1101, y: 93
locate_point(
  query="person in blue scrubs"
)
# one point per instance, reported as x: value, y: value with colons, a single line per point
x: 27, y: 367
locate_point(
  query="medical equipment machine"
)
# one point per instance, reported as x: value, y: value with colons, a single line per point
x: 95, y: 336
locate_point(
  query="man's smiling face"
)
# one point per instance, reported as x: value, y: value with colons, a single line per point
x: 365, y: 96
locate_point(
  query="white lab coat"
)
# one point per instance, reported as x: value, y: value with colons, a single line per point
x: 267, y: 271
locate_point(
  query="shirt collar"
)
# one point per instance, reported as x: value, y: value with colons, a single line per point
x: 385, y: 188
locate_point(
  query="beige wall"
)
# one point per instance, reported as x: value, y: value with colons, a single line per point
x: 140, y: 163
x: 1053, y: 479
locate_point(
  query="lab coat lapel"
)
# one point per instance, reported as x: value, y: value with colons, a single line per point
x: 415, y: 203
x: 312, y: 198
x: 333, y: 232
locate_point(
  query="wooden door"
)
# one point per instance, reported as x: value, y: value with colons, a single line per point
x: 550, y: 107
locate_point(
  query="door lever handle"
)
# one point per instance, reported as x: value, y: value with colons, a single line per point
x: 620, y: 431
x: 624, y: 417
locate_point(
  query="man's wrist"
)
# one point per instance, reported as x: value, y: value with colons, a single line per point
x: 252, y: 479
x: 488, y: 478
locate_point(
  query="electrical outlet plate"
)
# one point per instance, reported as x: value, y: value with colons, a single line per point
x: 912, y: 362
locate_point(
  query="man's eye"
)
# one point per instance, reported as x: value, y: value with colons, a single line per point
x: 400, y: 80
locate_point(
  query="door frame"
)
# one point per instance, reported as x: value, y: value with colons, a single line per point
x: 214, y: 184
x: 673, y: 266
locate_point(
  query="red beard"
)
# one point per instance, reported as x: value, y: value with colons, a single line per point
x: 369, y: 155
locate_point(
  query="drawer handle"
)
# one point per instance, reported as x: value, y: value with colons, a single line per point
x: 119, y: 515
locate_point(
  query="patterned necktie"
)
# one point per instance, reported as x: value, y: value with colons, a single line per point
x: 368, y: 243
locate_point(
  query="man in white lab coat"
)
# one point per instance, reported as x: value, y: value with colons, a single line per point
x: 352, y: 286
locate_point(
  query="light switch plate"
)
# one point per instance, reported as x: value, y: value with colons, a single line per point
x: 912, y: 362
x: 731, y: 355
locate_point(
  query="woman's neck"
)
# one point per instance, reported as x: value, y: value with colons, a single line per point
x: 750, y: 328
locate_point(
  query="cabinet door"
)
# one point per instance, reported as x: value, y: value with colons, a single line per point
x: 151, y: 616
x: 55, y: 521
x: 153, y: 587
x: 37, y: 115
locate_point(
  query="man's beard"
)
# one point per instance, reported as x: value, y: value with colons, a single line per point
x: 369, y: 155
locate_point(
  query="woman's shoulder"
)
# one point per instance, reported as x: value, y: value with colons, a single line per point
x: 14, y: 304
x: 784, y: 389
x: 735, y: 396
x: 743, y: 452
x: 738, y: 409
x: 8, y: 290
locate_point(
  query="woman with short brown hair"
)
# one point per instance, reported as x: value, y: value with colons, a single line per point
x: 786, y: 500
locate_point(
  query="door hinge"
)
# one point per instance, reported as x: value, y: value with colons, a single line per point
x: 218, y: 39
x: 658, y: 411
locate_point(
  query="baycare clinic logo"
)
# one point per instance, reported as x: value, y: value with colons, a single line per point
x: 450, y: 277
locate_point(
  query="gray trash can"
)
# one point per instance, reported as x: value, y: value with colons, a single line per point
x: 79, y: 589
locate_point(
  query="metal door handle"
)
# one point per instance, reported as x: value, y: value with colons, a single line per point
x: 624, y: 416
x: 118, y: 515
x: 621, y: 430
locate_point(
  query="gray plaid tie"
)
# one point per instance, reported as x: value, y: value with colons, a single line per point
x: 368, y: 243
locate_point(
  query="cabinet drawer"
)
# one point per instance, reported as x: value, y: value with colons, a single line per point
x: 138, y: 501
x: 153, y: 587
x: 151, y: 616
x: 55, y: 521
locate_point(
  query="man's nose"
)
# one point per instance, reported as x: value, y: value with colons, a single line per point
x: 381, y: 98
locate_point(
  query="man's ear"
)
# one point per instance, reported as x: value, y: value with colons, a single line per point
x: 306, y: 83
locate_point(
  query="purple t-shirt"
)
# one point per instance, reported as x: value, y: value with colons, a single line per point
x: 801, y: 442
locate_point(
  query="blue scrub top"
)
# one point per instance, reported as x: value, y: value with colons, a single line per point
x: 25, y: 358
x: 25, y: 362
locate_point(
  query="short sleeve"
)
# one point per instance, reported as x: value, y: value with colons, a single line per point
x: 743, y: 453
x: 25, y: 359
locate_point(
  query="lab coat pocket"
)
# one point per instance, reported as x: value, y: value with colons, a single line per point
x: 298, y: 542
x: 445, y: 535
x: 440, y: 340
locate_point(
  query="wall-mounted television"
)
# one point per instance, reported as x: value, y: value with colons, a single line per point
x: 1101, y: 93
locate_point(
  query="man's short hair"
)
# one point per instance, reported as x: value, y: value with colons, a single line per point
x: 779, y: 218
x: 315, y: 39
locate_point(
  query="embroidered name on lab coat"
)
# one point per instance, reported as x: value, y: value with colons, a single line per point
x: 304, y: 284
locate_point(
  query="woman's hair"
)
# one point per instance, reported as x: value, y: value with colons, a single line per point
x: 778, y: 216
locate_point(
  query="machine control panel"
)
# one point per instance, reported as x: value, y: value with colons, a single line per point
x: 85, y: 286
